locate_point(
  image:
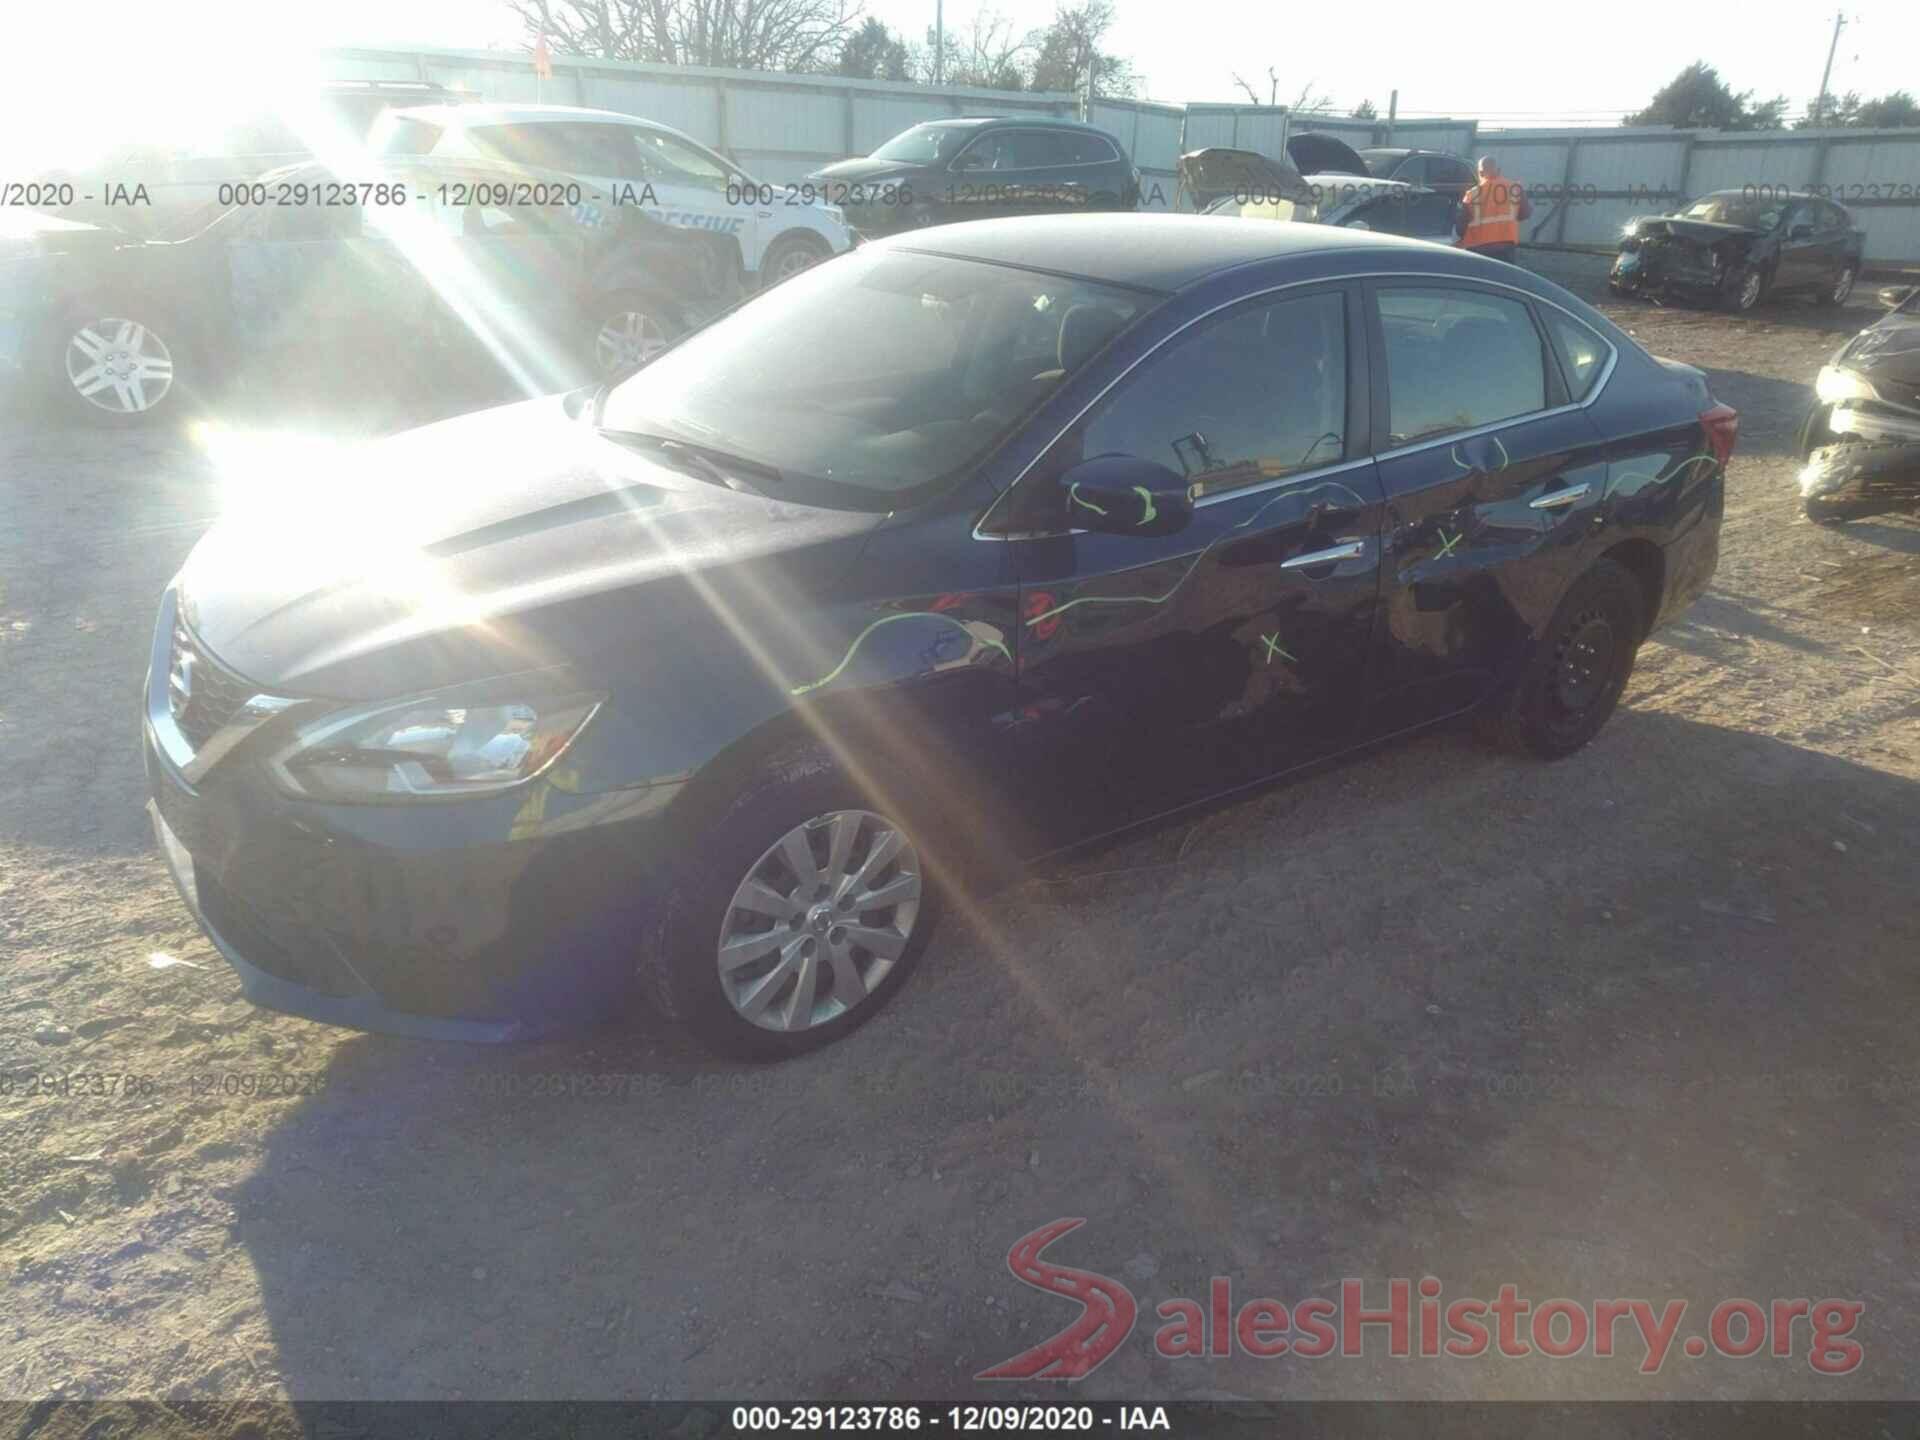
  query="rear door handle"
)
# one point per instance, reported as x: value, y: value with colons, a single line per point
x: 1346, y: 550
x: 1560, y: 498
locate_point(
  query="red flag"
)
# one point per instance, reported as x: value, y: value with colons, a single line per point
x: 542, y: 60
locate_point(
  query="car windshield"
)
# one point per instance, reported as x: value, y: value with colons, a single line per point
x: 1381, y: 162
x: 925, y: 144
x: 934, y: 360
x: 1733, y: 209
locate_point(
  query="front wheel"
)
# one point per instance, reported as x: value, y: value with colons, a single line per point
x: 120, y: 365
x: 1575, y: 678
x: 628, y: 329
x: 1842, y: 288
x: 797, y: 919
x: 1744, y: 289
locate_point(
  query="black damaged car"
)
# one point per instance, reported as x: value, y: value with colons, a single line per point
x: 1736, y: 248
x: 1862, y: 435
x: 719, y: 682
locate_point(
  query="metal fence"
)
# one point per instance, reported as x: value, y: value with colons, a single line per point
x: 1587, y: 183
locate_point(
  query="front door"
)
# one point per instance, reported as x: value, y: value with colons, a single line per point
x: 1158, y: 671
x: 1492, y: 479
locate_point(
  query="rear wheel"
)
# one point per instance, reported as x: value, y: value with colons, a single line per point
x: 1575, y: 678
x: 789, y: 255
x: 797, y: 919
x: 1842, y: 288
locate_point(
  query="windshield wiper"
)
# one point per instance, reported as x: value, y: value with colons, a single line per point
x: 715, y: 466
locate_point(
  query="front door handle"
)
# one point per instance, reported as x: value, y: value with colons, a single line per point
x: 1346, y: 550
x: 1560, y: 498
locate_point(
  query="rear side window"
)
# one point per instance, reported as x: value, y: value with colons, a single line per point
x: 403, y: 135
x: 1257, y: 395
x: 1442, y: 171
x: 1081, y: 148
x: 544, y: 147
x: 1457, y: 359
x: 1583, y: 354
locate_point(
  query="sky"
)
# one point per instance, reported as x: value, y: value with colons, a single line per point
x: 203, y: 58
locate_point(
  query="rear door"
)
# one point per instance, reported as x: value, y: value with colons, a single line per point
x: 1803, y: 249
x: 1493, y: 476
x: 1155, y: 671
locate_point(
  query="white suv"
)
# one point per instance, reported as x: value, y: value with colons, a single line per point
x: 625, y: 160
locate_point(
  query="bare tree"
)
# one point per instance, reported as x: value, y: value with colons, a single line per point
x: 988, y: 54
x: 731, y: 34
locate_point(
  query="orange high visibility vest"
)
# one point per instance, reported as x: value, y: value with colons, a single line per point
x: 1494, y: 214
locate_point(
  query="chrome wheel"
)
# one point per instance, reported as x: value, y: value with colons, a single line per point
x: 1843, y: 287
x: 1749, y: 290
x: 629, y: 338
x: 119, y: 366
x: 819, y: 920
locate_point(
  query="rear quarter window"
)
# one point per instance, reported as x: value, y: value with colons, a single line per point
x: 1583, y: 354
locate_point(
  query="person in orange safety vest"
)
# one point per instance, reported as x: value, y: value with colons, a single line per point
x: 1491, y: 212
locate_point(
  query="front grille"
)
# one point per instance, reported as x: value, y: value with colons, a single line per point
x: 202, y: 695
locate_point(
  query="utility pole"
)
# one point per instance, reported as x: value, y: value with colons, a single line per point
x: 1273, y: 87
x: 1820, y: 105
x: 939, y: 42
x: 1393, y: 110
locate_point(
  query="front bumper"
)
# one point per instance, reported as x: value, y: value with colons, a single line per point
x: 1851, y: 481
x: 485, y: 919
x: 1660, y: 271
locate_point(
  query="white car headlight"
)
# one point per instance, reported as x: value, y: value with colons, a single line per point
x: 1834, y: 385
x: 429, y: 747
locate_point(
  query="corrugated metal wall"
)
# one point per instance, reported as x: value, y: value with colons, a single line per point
x: 1587, y: 183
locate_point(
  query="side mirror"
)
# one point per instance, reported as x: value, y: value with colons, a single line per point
x: 1800, y: 232
x: 1894, y: 296
x: 1122, y: 495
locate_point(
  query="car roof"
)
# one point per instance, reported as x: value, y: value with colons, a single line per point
x: 488, y: 113
x: 1049, y: 121
x: 1141, y: 251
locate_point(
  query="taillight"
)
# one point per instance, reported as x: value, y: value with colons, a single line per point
x: 1722, y: 424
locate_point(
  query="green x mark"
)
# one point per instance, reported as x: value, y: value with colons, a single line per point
x: 1272, y: 642
x: 1447, y: 542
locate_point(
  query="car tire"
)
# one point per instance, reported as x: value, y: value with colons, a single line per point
x: 1575, y: 677
x: 791, y: 254
x: 807, y: 795
x: 626, y: 329
x: 1842, y: 288
x: 1745, y: 288
x: 117, y: 361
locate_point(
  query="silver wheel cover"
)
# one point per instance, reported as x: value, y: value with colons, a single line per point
x: 820, y: 919
x: 629, y: 338
x: 1843, y: 287
x: 119, y: 366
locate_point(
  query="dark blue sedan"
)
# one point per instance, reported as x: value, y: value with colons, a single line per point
x: 955, y: 550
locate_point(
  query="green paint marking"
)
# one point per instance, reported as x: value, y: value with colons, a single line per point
x: 1073, y: 494
x: 1146, y: 499
x: 1272, y: 642
x: 834, y: 673
x: 1447, y: 544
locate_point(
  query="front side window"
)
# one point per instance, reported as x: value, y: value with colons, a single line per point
x: 947, y: 357
x: 1732, y: 208
x: 543, y: 147
x: 1256, y: 395
x: 1457, y: 359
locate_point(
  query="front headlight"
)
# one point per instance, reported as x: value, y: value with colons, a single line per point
x: 1630, y: 229
x: 1834, y: 385
x: 429, y: 747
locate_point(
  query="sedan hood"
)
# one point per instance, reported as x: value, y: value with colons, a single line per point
x: 1703, y: 231
x: 514, y: 539
x: 1212, y: 174
x: 1889, y: 350
x: 1325, y: 154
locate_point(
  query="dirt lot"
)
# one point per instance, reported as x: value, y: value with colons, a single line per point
x: 1638, y: 1024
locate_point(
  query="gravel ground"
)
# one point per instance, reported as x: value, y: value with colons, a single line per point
x: 1637, y: 1024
